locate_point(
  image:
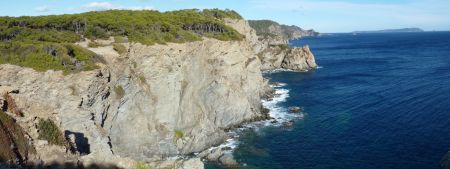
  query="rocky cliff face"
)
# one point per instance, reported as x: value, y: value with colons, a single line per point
x: 268, y: 28
x: 152, y: 102
x: 295, y: 32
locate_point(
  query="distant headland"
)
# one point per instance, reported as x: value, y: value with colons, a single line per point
x: 392, y: 30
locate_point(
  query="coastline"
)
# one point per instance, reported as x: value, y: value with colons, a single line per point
x: 278, y: 116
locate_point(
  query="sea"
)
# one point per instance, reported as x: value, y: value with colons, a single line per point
x: 377, y: 101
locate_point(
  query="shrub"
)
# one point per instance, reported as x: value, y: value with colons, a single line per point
x: 119, y: 48
x: 178, y: 134
x: 69, y: 58
x: 94, y: 44
x: 142, y: 78
x: 119, y: 39
x: 49, y: 131
x: 119, y: 92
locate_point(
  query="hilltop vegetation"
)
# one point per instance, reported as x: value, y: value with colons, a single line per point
x: 46, y: 42
x: 262, y: 27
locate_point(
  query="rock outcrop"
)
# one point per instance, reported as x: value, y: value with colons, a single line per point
x: 445, y: 161
x: 273, y: 47
x: 152, y: 102
x: 299, y: 59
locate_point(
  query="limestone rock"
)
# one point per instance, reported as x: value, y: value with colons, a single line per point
x: 445, y: 161
x: 295, y: 109
x: 228, y: 160
x: 299, y: 59
x: 194, y: 163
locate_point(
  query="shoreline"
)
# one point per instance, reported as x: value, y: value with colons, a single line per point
x: 278, y: 116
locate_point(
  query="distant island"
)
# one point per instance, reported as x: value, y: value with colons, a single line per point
x: 392, y: 30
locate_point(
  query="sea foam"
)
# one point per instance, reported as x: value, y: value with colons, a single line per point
x: 278, y: 116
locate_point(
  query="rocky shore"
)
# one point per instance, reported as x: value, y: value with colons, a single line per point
x: 151, y: 106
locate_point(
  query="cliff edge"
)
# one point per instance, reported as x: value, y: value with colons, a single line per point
x: 137, y: 102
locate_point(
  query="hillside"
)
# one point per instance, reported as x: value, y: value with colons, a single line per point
x: 46, y: 42
x: 268, y: 28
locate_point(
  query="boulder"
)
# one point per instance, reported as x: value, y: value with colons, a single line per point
x: 295, y: 109
x: 228, y: 160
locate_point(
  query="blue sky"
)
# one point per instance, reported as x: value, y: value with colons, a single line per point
x: 321, y: 15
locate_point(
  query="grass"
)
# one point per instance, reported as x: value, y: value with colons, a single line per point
x: 49, y: 131
x: 179, y: 134
x: 120, y: 92
x: 119, y: 48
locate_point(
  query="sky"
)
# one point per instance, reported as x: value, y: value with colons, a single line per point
x: 325, y: 16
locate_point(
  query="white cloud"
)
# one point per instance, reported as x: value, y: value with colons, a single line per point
x: 42, y: 9
x: 139, y: 8
x: 101, y: 6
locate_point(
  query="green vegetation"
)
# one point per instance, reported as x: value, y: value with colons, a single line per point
x: 94, y: 44
x: 119, y: 39
x: 142, y: 79
x: 44, y: 56
x: 143, y: 165
x: 221, y: 14
x: 262, y: 27
x: 179, y: 134
x: 119, y: 48
x: 49, y: 131
x: 119, y: 92
x: 46, y: 42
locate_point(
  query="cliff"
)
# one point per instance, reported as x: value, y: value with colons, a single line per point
x: 273, y: 47
x: 268, y: 28
x: 142, y: 102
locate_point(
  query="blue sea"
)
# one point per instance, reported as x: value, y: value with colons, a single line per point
x: 379, y: 101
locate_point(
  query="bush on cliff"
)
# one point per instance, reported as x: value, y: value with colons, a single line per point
x: 120, y: 92
x: 179, y: 134
x: 119, y: 48
x: 49, y: 131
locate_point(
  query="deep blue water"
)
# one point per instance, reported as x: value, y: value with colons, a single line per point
x: 381, y: 101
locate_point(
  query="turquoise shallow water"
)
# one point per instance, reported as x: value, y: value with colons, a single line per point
x: 381, y: 101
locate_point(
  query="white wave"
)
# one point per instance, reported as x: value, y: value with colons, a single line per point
x: 277, y: 70
x: 277, y: 85
x: 278, y: 113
